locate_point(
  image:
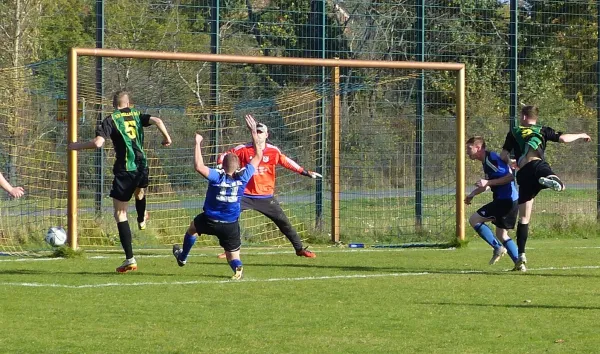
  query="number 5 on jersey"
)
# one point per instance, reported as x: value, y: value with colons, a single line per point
x: 131, y: 129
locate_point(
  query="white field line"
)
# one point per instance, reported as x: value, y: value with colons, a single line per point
x: 29, y: 259
x: 268, y: 280
x: 195, y: 282
x: 92, y: 255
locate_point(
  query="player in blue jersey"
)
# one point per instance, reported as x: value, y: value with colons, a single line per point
x: 502, y: 210
x: 222, y: 204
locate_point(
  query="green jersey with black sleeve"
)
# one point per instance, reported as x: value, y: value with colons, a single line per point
x: 125, y: 127
x: 522, y: 139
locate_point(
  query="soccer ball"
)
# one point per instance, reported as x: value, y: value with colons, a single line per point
x: 56, y: 236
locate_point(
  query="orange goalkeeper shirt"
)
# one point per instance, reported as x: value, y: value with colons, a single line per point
x: 262, y: 184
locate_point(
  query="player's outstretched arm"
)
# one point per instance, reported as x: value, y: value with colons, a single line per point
x: 163, y: 130
x: 15, y: 192
x: 95, y: 143
x: 258, y: 152
x: 199, y: 165
x: 568, y: 138
x: 293, y: 166
x: 310, y: 174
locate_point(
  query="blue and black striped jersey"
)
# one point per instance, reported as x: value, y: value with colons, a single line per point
x: 223, y: 195
x: 494, y: 168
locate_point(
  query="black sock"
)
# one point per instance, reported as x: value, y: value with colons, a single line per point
x: 125, y: 237
x: 140, y: 207
x: 522, y: 232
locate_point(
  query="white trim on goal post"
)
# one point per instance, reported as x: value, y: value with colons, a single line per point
x: 74, y: 53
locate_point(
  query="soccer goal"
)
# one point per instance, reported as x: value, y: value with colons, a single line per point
x: 392, y: 169
x: 386, y: 136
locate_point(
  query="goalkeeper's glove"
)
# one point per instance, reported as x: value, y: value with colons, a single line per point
x: 311, y: 174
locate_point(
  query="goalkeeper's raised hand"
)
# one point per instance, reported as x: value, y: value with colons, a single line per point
x: 311, y: 174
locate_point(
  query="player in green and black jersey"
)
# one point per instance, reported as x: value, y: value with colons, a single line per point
x: 125, y: 127
x: 528, y: 143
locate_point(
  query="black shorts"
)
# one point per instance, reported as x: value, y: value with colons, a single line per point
x: 125, y: 183
x: 528, y: 179
x: 268, y: 206
x: 502, y: 213
x: 228, y: 233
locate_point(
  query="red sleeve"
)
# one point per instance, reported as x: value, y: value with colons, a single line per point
x: 289, y: 163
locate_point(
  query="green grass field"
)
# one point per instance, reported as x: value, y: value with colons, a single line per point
x: 344, y: 301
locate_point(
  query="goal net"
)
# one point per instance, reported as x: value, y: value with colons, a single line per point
x: 395, y: 181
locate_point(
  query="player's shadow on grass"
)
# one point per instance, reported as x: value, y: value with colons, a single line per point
x: 23, y: 272
x: 517, y: 306
x: 112, y: 274
x: 357, y: 268
x: 308, y: 266
x: 508, y: 272
x: 143, y: 273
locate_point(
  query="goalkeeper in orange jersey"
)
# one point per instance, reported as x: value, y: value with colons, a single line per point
x: 259, y: 193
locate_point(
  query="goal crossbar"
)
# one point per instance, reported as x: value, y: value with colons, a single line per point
x: 74, y: 53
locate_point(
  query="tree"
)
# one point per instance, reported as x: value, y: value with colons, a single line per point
x: 65, y: 24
